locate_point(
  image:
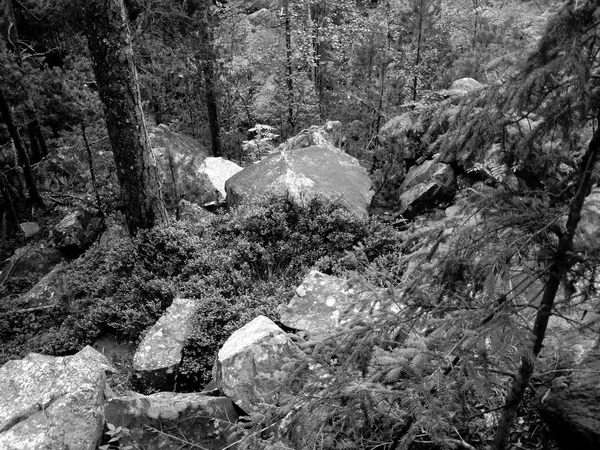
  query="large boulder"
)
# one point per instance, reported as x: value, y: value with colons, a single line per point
x: 588, y: 229
x: 31, y: 261
x: 321, y: 302
x: 160, y: 421
x: 250, y: 368
x: 77, y: 231
x: 159, y: 354
x: 465, y: 85
x: 426, y: 185
x: 304, y: 173
x: 215, y: 172
x: 51, y: 402
x: 329, y: 135
x: 571, y: 407
x: 49, y: 292
x: 179, y: 159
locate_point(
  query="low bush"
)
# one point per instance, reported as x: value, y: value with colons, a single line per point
x: 237, y: 264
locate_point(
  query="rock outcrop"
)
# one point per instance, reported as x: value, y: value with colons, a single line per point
x: 321, y: 302
x: 304, y: 173
x: 214, y: 172
x: 465, y: 85
x: 33, y: 261
x: 159, y: 354
x: 53, y: 402
x: 572, y: 406
x: 179, y: 159
x: 50, y: 291
x: 425, y: 185
x: 253, y: 364
x: 329, y: 135
x: 29, y: 229
x: 163, y: 421
x: 77, y: 231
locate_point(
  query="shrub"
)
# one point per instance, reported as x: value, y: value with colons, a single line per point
x: 238, y: 264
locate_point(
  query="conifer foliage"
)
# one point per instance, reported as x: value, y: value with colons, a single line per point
x: 457, y: 339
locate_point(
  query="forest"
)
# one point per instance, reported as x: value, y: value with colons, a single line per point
x: 487, y: 283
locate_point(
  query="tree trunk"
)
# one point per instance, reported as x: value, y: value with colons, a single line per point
x: 288, y: 64
x: 558, y: 268
x: 11, y: 33
x: 21, y: 151
x: 418, y: 57
x: 9, y: 204
x: 36, y: 155
x: 109, y: 42
x: 208, y: 72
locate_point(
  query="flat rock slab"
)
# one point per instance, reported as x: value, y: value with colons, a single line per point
x: 51, y: 402
x: 204, y: 421
x: 321, y: 302
x: 250, y: 367
x: 158, y: 356
x: 304, y: 173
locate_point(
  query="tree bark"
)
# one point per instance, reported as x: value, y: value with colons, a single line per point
x: 109, y: 42
x: 21, y: 151
x: 208, y: 72
x: 9, y: 204
x: 288, y: 64
x: 558, y: 268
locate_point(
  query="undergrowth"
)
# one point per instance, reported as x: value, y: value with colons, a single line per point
x: 237, y: 264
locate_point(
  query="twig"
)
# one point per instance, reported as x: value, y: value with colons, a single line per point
x: 184, y: 441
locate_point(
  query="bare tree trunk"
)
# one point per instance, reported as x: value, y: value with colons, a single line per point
x: 93, y: 174
x: 21, y: 151
x: 208, y: 72
x: 109, y: 42
x: 418, y: 58
x: 288, y: 64
x: 11, y: 33
x: 9, y: 204
x: 558, y: 268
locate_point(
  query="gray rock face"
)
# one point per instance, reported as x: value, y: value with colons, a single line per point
x: 424, y: 185
x: 49, y: 291
x: 30, y: 229
x: 206, y: 422
x: 77, y: 231
x: 215, y: 172
x: 179, y: 158
x: 328, y: 135
x: 51, y: 402
x: 321, y: 301
x: 588, y: 229
x: 30, y: 261
x: 250, y: 367
x: 158, y: 356
x: 263, y: 18
x: 464, y: 85
x: 572, y: 406
x: 303, y: 173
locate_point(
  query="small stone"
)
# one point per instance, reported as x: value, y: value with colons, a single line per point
x: 30, y: 228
